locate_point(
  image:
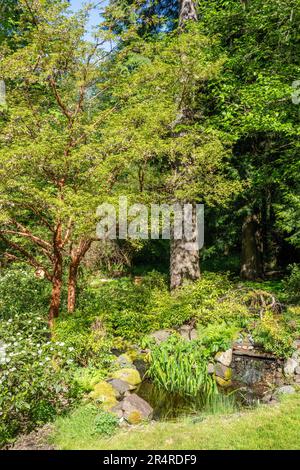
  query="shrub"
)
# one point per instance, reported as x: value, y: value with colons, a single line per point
x: 217, y: 336
x: 106, y: 424
x: 292, y: 283
x: 21, y: 291
x: 36, y: 375
x: 88, y: 377
x: 86, y: 336
x: 273, y: 335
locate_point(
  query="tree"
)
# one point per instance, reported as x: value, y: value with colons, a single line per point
x: 251, y: 103
x: 184, y: 262
x: 53, y: 173
x: 173, y: 158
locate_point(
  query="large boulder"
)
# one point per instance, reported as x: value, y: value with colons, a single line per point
x: 133, y: 409
x: 131, y: 376
x: 104, y: 394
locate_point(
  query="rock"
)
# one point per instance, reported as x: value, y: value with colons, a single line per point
x: 194, y: 334
x: 279, y: 381
x: 188, y: 333
x: 285, y: 390
x: 224, y: 358
x: 125, y: 361
x: 297, y: 370
x: 131, y: 376
x: 223, y: 371
x: 267, y: 398
x: 117, y: 410
x: 135, y: 409
x: 297, y: 379
x: 210, y: 368
x: 296, y: 355
x: 222, y: 382
x: 105, y: 394
x: 290, y: 366
x: 251, y: 376
x: 161, y: 335
x: 120, y: 386
x: 296, y: 344
x: 141, y: 366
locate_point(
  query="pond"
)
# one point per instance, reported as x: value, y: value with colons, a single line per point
x: 168, y: 406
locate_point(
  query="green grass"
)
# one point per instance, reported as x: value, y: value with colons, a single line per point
x: 266, y: 427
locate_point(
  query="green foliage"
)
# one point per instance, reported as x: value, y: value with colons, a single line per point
x: 131, y: 311
x: 106, y: 424
x: 181, y: 367
x: 217, y: 336
x: 21, y: 291
x: 86, y: 336
x: 292, y: 283
x: 273, y: 335
x: 88, y: 377
x: 36, y: 375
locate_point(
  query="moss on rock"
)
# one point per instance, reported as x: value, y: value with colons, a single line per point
x: 104, y: 393
x: 130, y: 376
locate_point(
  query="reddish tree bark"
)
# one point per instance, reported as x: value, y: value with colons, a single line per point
x: 77, y: 254
x: 56, y: 276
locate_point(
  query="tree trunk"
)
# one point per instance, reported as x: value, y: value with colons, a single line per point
x: 184, y: 255
x: 77, y: 254
x: 251, y: 268
x: 184, y: 258
x: 57, y: 276
x: 72, y: 286
x: 187, y: 11
x: 56, y: 293
x: 184, y: 263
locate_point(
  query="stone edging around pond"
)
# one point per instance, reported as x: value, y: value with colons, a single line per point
x: 251, y: 369
x: 258, y: 374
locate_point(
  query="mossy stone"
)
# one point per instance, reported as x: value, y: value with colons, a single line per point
x: 104, y: 393
x: 134, y: 417
x: 222, y: 382
x: 131, y: 376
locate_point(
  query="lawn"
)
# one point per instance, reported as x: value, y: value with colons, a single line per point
x: 264, y: 428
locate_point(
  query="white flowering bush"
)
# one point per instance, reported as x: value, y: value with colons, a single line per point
x: 35, y: 375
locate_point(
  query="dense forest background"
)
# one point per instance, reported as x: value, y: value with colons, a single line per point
x: 164, y: 102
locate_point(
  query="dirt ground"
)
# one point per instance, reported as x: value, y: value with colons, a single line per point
x: 36, y: 440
